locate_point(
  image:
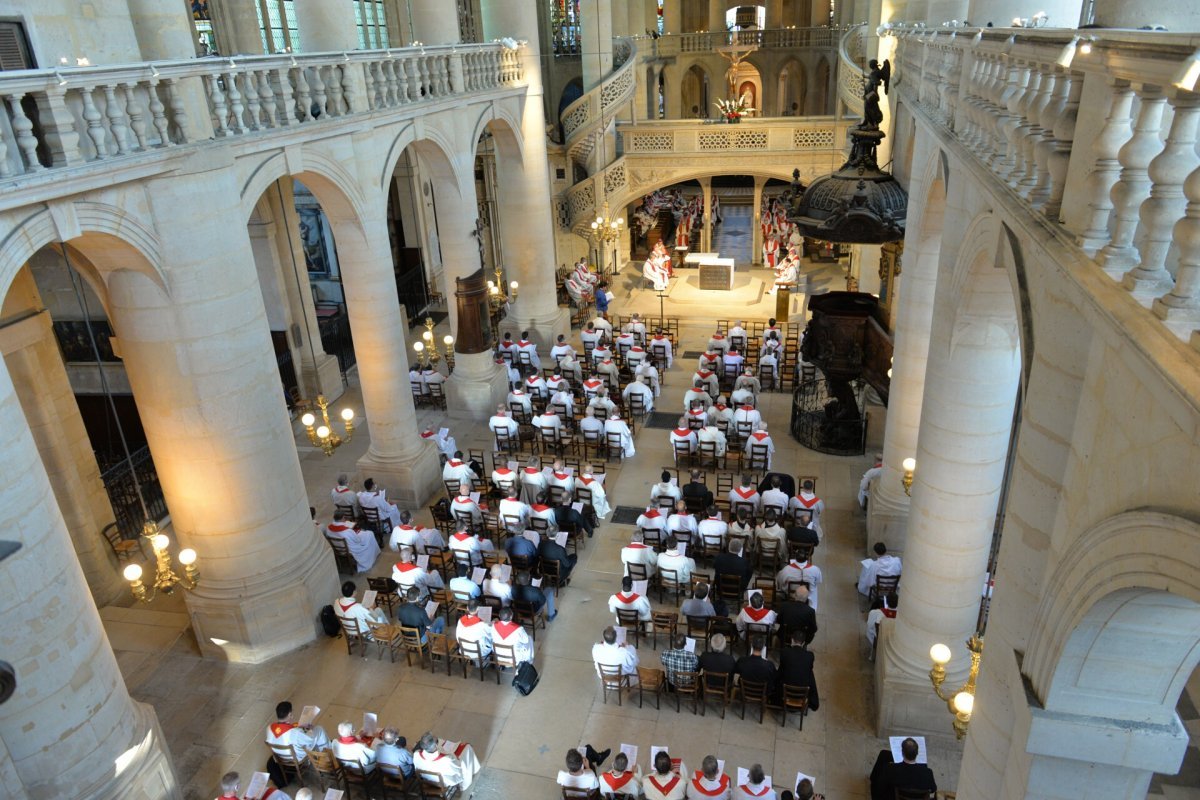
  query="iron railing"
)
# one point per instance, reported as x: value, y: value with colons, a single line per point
x: 337, y: 341
x: 819, y: 423
x: 122, y: 491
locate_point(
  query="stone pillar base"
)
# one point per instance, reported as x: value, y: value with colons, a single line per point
x: 905, y: 701
x: 887, y: 516
x: 410, y: 482
x: 544, y: 329
x: 145, y: 769
x: 282, y: 616
x: 328, y: 377
x: 477, y: 386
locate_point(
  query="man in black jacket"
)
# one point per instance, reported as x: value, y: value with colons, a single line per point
x: 796, y: 668
x: 888, y: 776
x: 732, y: 562
x: 566, y: 518
x: 698, y: 491
x: 550, y: 550
x: 716, y: 659
x: 528, y: 593
x: 411, y: 614
x: 755, y: 666
x: 797, y: 615
x: 803, y: 534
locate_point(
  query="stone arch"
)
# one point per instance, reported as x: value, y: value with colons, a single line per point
x: 983, y: 286
x: 434, y: 152
x: 108, y: 239
x: 329, y: 181
x: 505, y: 130
x: 696, y: 88
x: 821, y: 89
x: 793, y: 87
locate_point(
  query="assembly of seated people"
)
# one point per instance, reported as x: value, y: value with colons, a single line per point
x: 718, y: 574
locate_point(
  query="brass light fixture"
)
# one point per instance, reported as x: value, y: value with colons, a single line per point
x: 909, y: 464
x: 427, y: 349
x: 322, y: 435
x: 496, y: 293
x: 961, y: 702
x: 165, y: 579
x: 605, y: 228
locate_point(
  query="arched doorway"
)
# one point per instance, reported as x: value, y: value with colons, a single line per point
x: 694, y: 90
x: 793, y: 89
x: 747, y: 84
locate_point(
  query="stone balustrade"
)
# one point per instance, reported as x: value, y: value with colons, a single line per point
x: 826, y: 38
x: 1118, y: 175
x: 587, y: 117
x: 55, y: 119
x: 851, y: 47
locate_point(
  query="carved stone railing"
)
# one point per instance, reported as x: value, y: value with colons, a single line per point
x: 851, y: 63
x: 587, y: 117
x: 56, y: 119
x: 1132, y: 204
x: 678, y: 149
x: 674, y: 44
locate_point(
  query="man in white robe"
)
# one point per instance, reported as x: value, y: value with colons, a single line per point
x: 362, y: 544
x: 408, y: 575
x: 455, y: 762
x: 760, y: 438
x: 619, y: 426
x: 566, y: 399
x: 502, y: 421
x: 512, y: 634
x: 711, y: 433
x: 473, y: 629
x: 374, y: 497
x: 602, y: 406
x: 864, y: 486
x: 343, y: 495
x: 285, y: 732
x: 639, y: 388
x: 649, y: 373
x: 660, y: 341
x: 349, y: 609
x: 524, y: 345
x: 519, y: 397
x: 444, y: 441
x: 883, y: 565
x: 599, y: 496
x: 610, y: 654
x: 638, y: 553
x: 629, y: 600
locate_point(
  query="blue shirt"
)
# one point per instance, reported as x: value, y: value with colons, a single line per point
x: 520, y: 546
x: 601, y: 299
x: 389, y: 754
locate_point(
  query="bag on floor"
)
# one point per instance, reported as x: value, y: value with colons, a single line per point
x: 329, y: 622
x: 278, y: 776
x: 526, y: 679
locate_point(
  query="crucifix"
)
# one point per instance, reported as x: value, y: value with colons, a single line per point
x: 477, y: 232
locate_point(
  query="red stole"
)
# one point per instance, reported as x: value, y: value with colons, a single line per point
x: 506, y: 629
x: 760, y: 435
x: 808, y: 503
x: 469, y: 620
x: 890, y: 613
x: 756, y: 614
x: 664, y: 788
x: 745, y: 408
x: 347, y: 739
x: 682, y: 431
x: 561, y: 476
x: 347, y: 606
x: 615, y: 782
x: 461, y: 536
x: 338, y: 527
x: 342, y: 489
x: 585, y: 480
x: 762, y: 790
x: 722, y: 786
x: 652, y: 513
x: 637, y: 545
x: 627, y: 598
x: 532, y: 471
x: 745, y: 493
x: 503, y: 471
x: 280, y: 728
x: 405, y: 566
x: 540, y: 509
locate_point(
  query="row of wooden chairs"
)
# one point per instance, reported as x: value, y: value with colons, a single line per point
x: 332, y: 772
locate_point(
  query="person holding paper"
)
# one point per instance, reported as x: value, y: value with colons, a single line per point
x: 521, y: 545
x: 697, y: 397
x: 745, y: 389
x: 374, y: 497
x: 663, y: 783
x: 231, y: 785
x: 352, y: 611
x: 392, y: 754
x: 639, y: 388
x: 502, y: 421
x: 620, y: 779
x: 680, y: 658
x: 673, y: 559
x: 646, y: 369
x: 802, y: 532
x: 884, y: 565
x: 807, y: 499
x: 717, y: 661
x: 761, y: 438
x: 756, y: 786
x: 682, y: 525
x: 698, y: 605
x: 351, y: 750
x: 665, y: 486
x: 755, y: 666
x: 409, y: 575
x: 712, y: 528
x: 889, y: 775
x: 636, y: 552
x: 465, y: 504
x: 361, y: 544
x: 579, y: 773
x: 405, y: 536
x: 471, y: 628
x: 414, y: 613
x: 430, y: 537
x: 795, y: 614
x: 496, y: 586
x: 682, y: 434
x: 462, y: 585
x: 807, y: 573
x: 796, y: 668
x: 747, y: 414
x: 543, y: 509
x: 709, y: 783
x: 512, y: 634
x: 561, y: 477
x: 533, y: 482
x: 755, y: 611
x: 455, y: 762
x: 513, y: 506
x: 732, y: 562
x: 610, y: 653
x: 456, y: 469
x: 886, y: 608
x: 343, y: 495
x: 285, y: 731
x: 770, y: 529
x: 652, y: 520
x: 711, y: 434
x: 526, y: 592
x: 629, y: 600
x: 804, y: 790
x: 550, y: 550
x: 462, y: 541
x: 599, y: 496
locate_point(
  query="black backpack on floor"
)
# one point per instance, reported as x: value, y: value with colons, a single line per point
x: 329, y: 622
x: 526, y: 679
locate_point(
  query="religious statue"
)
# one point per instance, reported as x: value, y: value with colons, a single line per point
x: 735, y: 55
x: 872, y: 114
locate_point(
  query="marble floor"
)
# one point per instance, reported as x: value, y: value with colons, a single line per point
x: 214, y: 713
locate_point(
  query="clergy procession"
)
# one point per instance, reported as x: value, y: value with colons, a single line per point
x: 717, y: 556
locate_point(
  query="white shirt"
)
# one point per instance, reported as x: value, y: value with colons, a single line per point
x: 886, y: 565
x: 456, y: 470
x: 711, y: 433
x: 630, y: 602
x: 807, y: 572
x: 638, y: 553
x: 777, y: 498
x: 615, y: 655
x: 473, y: 629
x: 682, y: 565
x: 504, y: 422
x: 354, y: 752
x: 666, y: 490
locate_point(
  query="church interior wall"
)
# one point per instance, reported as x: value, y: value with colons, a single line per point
x: 61, y: 32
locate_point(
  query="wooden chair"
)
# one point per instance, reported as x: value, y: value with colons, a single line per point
x: 652, y: 680
x: 504, y: 656
x: 437, y: 396
x: 471, y: 653
x: 639, y: 572
x: 664, y: 622
x: 288, y: 759
x: 504, y: 442
x: 345, y: 562
x: 717, y: 685
x: 434, y: 786
x: 754, y: 629
x: 346, y: 510
x: 759, y: 457
x: 729, y: 587
x: 884, y: 584
x: 551, y: 575
x: 754, y: 692
x: 354, y: 636
x: 706, y: 454
x: 613, y: 447
x: 768, y: 555
x: 652, y: 537
x: 697, y: 628
x: 628, y: 619
x: 795, y: 698
x: 410, y: 638
x: 443, y: 647
x: 326, y: 766
x: 523, y: 614
x: 375, y: 523
x: 575, y: 793
x: 391, y: 779
x: 125, y: 549
x: 386, y: 637
x: 612, y: 680
x: 687, y: 683
x: 356, y: 774
x: 385, y: 593
x: 668, y: 581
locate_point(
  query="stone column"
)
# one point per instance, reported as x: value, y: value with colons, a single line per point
x: 36, y: 366
x: 650, y: 13
x: 888, y: 507
x: 756, y: 240
x: 235, y: 24
x: 164, y: 30
x: 71, y: 718
x: 526, y: 216
x: 716, y: 16
x: 672, y: 16
x: 774, y: 16
x: 200, y: 363
x: 434, y: 21
x: 966, y: 420
x: 672, y: 96
x: 326, y: 27
x: 706, y: 230
x: 397, y: 458
x: 596, y: 56
x: 317, y: 371
x: 620, y: 19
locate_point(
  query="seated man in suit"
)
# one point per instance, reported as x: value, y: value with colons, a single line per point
x: 887, y: 776
x: 796, y: 668
x: 526, y: 592
x: 697, y: 489
x: 732, y: 562
x: 796, y: 614
x: 550, y: 550
x: 755, y: 666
